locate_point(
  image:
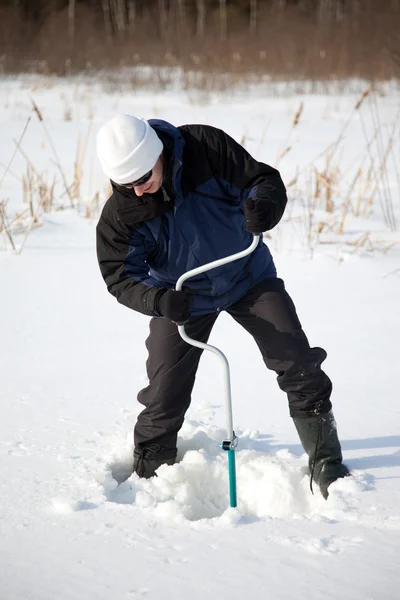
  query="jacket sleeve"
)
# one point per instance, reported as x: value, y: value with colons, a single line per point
x: 122, y: 258
x: 254, y: 179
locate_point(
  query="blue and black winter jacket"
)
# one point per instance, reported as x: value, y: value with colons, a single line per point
x: 145, y: 243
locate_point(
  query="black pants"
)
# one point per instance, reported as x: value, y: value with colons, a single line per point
x: 269, y: 315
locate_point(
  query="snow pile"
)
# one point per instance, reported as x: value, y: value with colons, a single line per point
x: 270, y: 485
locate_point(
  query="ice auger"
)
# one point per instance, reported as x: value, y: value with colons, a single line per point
x: 230, y: 443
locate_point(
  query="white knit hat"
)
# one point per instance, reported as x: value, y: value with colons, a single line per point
x: 127, y: 148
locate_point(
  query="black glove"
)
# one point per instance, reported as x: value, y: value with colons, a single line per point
x: 174, y: 305
x: 258, y: 215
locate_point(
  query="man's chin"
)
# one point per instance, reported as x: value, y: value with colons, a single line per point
x: 153, y: 188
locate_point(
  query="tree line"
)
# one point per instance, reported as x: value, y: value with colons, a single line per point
x: 271, y: 35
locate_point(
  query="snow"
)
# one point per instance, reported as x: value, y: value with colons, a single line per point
x: 73, y: 361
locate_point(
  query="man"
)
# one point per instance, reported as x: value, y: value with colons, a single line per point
x: 182, y: 197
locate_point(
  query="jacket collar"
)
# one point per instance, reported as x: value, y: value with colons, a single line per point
x: 173, y: 143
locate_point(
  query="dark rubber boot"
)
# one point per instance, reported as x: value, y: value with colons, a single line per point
x: 320, y: 441
x: 148, y: 459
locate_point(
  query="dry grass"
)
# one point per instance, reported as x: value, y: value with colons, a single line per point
x: 330, y: 194
x: 75, y: 189
x: 38, y: 194
x: 286, y: 145
x: 324, y: 194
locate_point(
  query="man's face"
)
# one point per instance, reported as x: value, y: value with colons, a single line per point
x: 154, y: 183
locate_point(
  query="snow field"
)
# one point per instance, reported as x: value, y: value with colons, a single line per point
x: 74, y: 524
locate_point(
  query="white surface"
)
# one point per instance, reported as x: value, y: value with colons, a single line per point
x: 72, y: 361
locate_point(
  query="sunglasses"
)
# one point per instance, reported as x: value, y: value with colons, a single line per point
x: 142, y: 180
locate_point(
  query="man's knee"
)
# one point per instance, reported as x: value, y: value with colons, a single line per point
x: 308, y: 387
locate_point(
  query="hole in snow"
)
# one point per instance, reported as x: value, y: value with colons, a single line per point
x: 197, y: 487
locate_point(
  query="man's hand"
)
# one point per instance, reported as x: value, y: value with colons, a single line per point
x: 257, y: 215
x: 174, y: 305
